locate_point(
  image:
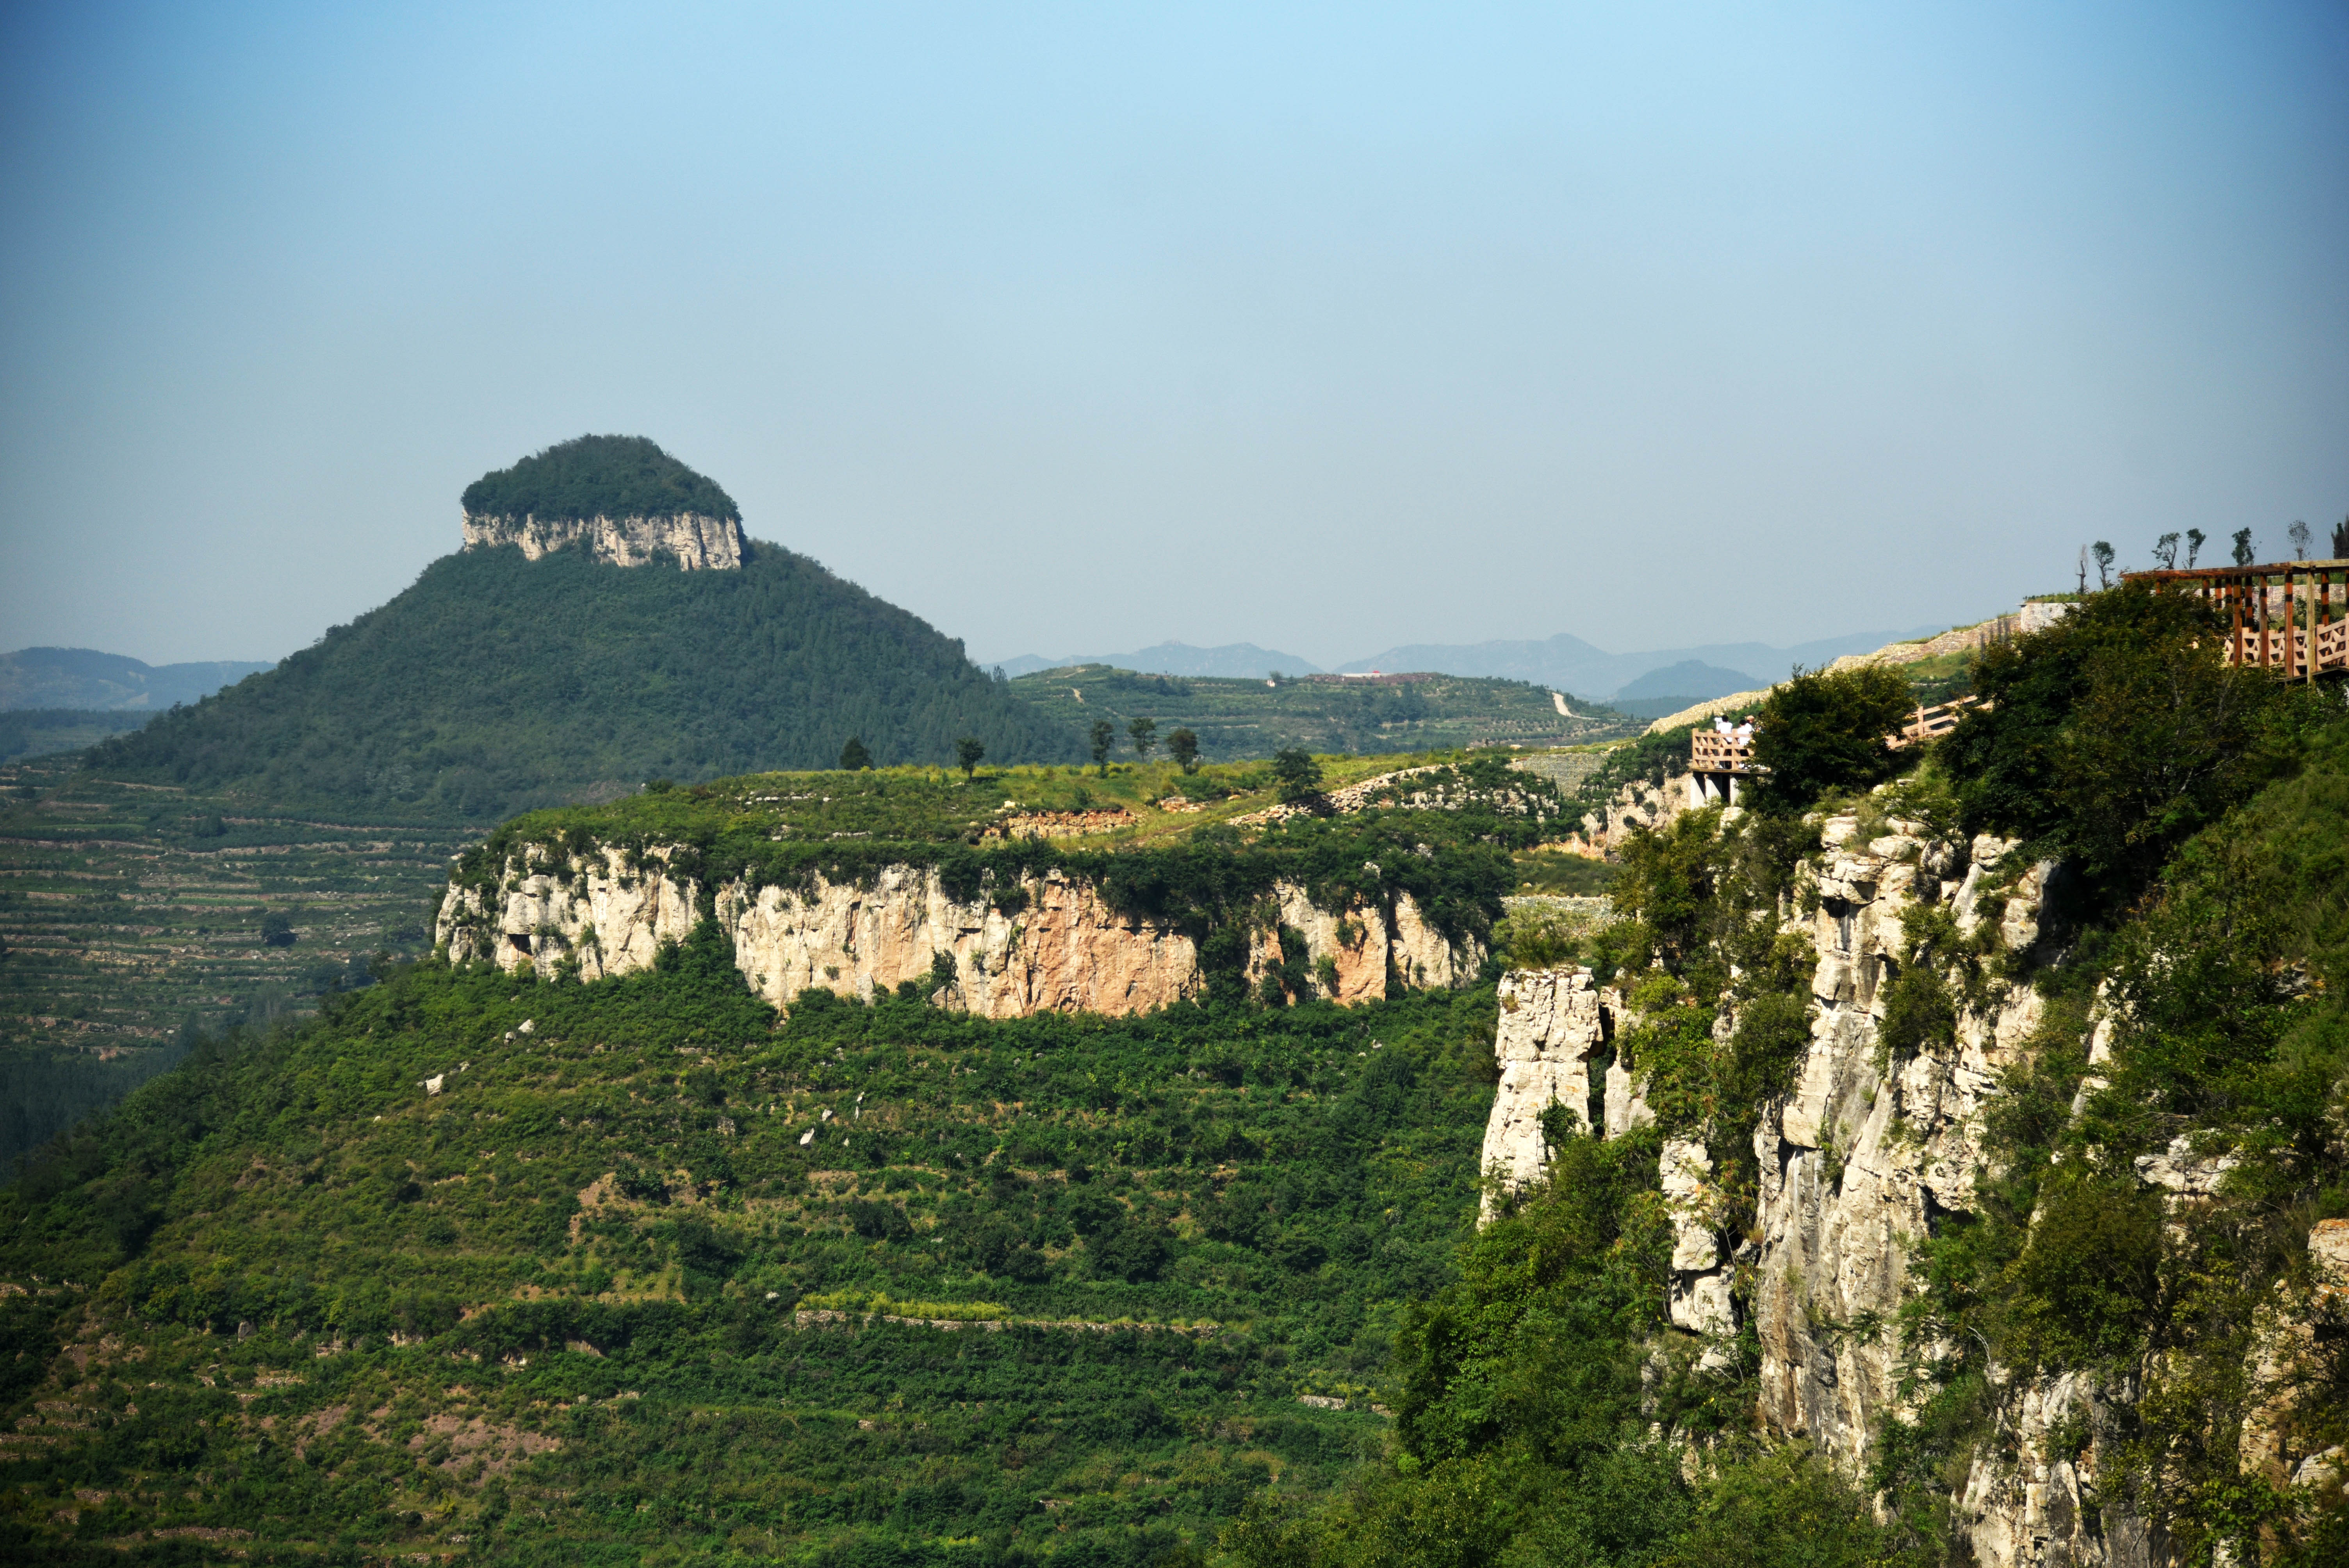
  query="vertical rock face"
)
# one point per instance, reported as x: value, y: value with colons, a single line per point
x: 694, y: 542
x: 1862, y: 1159
x: 1048, y: 944
x: 1858, y: 1163
x: 1066, y: 951
x: 1637, y: 804
x: 1551, y: 1027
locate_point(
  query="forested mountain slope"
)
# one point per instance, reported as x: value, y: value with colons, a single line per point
x: 495, y: 684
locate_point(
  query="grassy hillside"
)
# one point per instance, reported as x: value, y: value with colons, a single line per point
x: 495, y: 684
x: 655, y: 1278
x: 1242, y: 719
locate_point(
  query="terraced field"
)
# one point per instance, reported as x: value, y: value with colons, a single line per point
x: 131, y: 918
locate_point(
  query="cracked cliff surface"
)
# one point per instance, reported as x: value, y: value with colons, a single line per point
x: 1858, y: 1162
x: 1044, y: 941
x: 691, y: 541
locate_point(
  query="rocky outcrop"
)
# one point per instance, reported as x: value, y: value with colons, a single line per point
x: 1064, y: 824
x: 694, y: 542
x: 1637, y: 804
x: 1046, y: 941
x: 1858, y: 1163
x: 1553, y: 1027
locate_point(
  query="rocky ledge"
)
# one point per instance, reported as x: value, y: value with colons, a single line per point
x: 695, y: 543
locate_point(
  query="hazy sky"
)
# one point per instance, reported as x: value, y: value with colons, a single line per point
x: 1076, y: 328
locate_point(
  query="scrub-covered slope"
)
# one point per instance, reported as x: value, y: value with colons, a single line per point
x: 548, y: 1271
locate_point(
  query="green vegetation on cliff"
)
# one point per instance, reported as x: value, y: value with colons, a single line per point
x: 1443, y: 831
x: 495, y: 684
x: 2205, y: 813
x: 597, y: 476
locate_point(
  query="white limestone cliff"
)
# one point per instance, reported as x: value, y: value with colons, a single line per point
x: 693, y: 541
x: 1049, y: 943
x: 1551, y: 1028
x: 1858, y: 1163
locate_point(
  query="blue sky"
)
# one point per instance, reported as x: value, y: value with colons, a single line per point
x: 1078, y: 328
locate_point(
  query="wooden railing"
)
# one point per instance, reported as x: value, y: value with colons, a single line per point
x: 1932, y: 723
x: 1710, y: 751
x: 2284, y: 616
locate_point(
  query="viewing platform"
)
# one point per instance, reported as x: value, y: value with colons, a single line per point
x: 1718, y: 758
x: 2282, y: 615
x: 1717, y: 761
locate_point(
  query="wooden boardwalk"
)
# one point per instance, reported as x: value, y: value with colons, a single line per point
x: 2289, y: 616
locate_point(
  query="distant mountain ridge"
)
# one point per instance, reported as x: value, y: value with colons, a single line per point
x: 1231, y: 661
x: 1564, y: 662
x: 106, y: 683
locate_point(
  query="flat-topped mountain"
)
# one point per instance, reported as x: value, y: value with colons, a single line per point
x: 530, y: 668
x: 619, y: 498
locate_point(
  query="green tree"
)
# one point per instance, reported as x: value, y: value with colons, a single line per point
x: 2195, y: 540
x: 2341, y: 539
x: 2114, y: 733
x: 1184, y: 746
x: 1296, y: 773
x: 853, y: 757
x: 2244, y: 553
x: 2165, y: 552
x: 1825, y: 730
x: 1105, y: 736
x: 1145, y: 732
x: 2103, y: 551
x: 968, y: 750
x: 2299, y: 532
x: 276, y: 930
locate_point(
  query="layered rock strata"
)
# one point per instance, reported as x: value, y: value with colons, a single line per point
x: 694, y: 542
x: 1046, y: 942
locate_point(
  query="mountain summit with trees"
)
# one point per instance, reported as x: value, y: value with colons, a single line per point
x: 598, y: 476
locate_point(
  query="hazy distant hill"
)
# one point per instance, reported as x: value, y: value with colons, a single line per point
x: 1232, y: 660
x: 1570, y: 664
x: 1564, y: 662
x: 1691, y: 678
x: 497, y: 683
x: 86, y: 678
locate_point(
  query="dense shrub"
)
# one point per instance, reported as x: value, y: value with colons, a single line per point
x: 1826, y: 729
x: 597, y: 476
